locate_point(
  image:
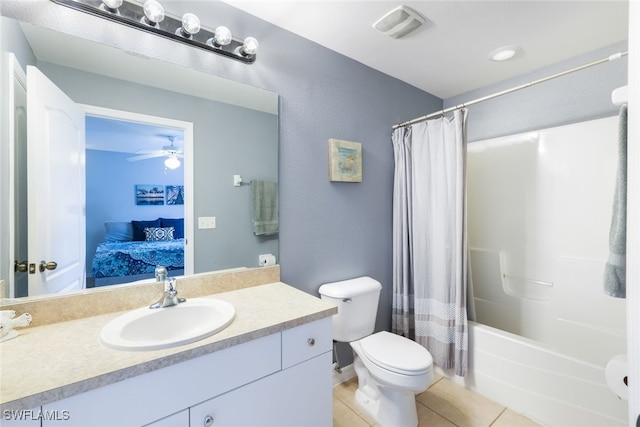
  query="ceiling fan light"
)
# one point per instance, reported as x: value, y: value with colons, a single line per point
x: 172, y: 162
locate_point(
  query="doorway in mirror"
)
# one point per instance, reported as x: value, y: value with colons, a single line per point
x: 139, y: 204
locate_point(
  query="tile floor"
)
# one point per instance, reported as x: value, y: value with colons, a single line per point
x: 444, y: 404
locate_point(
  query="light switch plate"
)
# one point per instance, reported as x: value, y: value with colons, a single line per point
x: 206, y: 222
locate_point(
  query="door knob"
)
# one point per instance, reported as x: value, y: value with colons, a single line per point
x: 51, y: 265
x: 20, y: 266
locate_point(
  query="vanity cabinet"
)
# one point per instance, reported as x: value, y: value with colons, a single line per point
x: 181, y: 419
x: 280, y: 379
x: 295, y: 397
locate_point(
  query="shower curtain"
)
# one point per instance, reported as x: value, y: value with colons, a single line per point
x: 429, y: 238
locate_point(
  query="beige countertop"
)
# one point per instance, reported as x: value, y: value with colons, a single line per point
x: 51, y: 362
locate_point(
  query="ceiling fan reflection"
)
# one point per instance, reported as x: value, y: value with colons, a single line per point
x: 171, y: 152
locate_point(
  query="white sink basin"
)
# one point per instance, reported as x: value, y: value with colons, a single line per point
x: 159, y: 328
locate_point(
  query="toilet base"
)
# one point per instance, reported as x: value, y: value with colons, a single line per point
x: 388, y: 406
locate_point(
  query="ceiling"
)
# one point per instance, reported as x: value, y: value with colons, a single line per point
x: 129, y: 137
x: 448, y: 55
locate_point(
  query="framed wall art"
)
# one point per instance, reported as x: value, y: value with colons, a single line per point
x: 175, y: 194
x: 149, y: 195
x: 345, y: 161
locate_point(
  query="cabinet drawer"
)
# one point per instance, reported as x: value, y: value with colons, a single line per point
x: 300, y: 396
x: 180, y: 419
x: 306, y: 341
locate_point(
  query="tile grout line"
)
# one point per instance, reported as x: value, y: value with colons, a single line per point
x: 498, y: 417
x: 348, y: 405
x: 354, y: 412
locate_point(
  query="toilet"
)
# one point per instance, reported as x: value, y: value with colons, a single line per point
x: 391, y: 369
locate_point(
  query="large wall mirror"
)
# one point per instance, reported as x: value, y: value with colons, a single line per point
x: 140, y: 117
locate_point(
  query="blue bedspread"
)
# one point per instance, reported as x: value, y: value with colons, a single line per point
x: 117, y: 259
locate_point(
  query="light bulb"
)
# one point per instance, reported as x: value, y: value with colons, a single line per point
x: 190, y: 24
x: 153, y: 11
x: 222, y: 36
x: 172, y: 162
x: 250, y: 46
x: 112, y: 4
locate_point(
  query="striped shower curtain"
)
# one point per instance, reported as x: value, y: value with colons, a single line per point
x: 429, y: 238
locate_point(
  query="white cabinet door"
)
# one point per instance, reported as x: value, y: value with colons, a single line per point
x: 145, y: 398
x: 299, y: 396
x: 181, y: 419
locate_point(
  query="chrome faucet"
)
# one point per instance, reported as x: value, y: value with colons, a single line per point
x: 161, y: 273
x: 170, y: 295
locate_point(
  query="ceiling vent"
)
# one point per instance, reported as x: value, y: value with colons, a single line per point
x: 399, y: 22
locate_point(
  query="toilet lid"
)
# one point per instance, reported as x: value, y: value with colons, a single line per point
x: 396, y: 353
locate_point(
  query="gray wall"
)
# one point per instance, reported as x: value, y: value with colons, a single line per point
x: 576, y: 97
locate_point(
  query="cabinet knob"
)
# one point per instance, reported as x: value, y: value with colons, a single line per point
x: 208, y: 421
x: 311, y: 342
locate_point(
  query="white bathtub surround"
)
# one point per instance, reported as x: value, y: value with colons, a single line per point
x: 429, y: 238
x: 539, y: 219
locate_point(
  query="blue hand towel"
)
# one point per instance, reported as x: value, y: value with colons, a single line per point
x: 615, y: 277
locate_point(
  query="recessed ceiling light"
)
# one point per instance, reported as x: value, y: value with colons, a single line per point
x: 504, y: 53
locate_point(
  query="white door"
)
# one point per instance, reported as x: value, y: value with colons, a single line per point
x: 56, y: 199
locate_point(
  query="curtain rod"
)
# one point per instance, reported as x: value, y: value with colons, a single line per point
x: 513, y: 89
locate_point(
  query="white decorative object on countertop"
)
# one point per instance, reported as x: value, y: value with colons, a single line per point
x: 9, y: 321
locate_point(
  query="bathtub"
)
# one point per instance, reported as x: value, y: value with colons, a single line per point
x: 550, y: 388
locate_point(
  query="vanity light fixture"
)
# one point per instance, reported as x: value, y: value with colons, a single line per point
x: 190, y: 25
x: 153, y: 13
x: 112, y: 5
x: 151, y: 17
x: 221, y: 37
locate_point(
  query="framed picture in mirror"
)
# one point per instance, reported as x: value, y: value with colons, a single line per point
x: 150, y: 195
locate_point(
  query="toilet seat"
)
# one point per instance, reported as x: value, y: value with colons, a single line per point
x: 397, y: 354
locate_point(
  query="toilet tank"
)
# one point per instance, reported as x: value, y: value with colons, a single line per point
x: 357, y: 301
